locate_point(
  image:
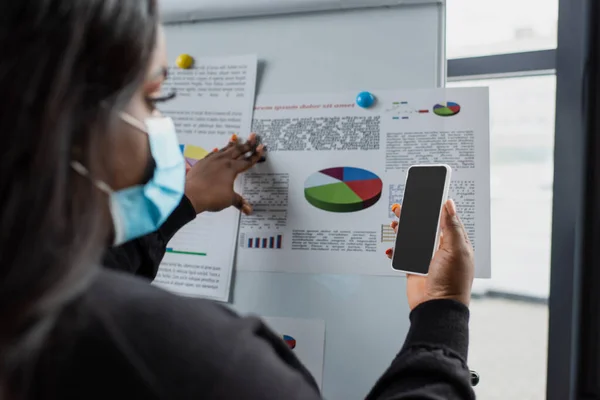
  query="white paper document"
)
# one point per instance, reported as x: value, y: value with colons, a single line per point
x: 215, y: 99
x: 306, y: 338
x: 322, y: 201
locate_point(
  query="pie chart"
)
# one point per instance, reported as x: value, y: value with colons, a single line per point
x: 446, y: 109
x: 192, y: 153
x: 290, y: 341
x: 343, y: 189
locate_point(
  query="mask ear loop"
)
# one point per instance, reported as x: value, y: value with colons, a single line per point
x: 83, y: 171
x: 133, y: 122
x: 137, y: 124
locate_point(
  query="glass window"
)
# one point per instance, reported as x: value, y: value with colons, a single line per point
x: 485, y: 27
x: 509, y: 336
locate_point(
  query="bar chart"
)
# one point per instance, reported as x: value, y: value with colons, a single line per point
x: 387, y: 234
x: 271, y: 241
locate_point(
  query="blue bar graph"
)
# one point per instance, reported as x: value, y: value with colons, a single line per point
x: 272, y: 241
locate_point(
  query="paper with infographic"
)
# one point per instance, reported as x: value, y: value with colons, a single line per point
x: 215, y: 99
x: 306, y: 338
x: 322, y: 200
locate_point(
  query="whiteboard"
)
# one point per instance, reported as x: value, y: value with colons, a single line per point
x: 336, y: 45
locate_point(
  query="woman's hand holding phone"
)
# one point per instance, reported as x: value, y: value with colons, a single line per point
x: 452, y: 268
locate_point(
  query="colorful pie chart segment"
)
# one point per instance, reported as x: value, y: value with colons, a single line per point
x: 290, y: 341
x: 343, y: 189
x: 192, y: 153
x: 446, y: 109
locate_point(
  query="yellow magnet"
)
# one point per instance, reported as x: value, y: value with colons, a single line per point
x: 184, y: 61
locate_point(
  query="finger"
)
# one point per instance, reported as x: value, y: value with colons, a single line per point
x: 389, y: 253
x: 233, y: 140
x: 263, y: 158
x: 222, y: 150
x: 242, y: 149
x: 416, y: 281
x: 241, y: 204
x: 462, y: 226
x: 394, y: 226
x: 452, y: 228
x: 212, y: 153
x: 253, y: 139
x: 243, y: 164
x: 396, y: 208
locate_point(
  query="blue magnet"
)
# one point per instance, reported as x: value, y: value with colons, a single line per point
x: 365, y: 99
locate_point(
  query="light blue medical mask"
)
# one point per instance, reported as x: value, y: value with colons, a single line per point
x: 141, y: 209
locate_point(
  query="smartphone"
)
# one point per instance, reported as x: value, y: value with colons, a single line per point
x: 425, y: 193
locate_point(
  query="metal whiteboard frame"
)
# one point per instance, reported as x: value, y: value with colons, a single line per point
x: 176, y: 12
x: 366, y: 316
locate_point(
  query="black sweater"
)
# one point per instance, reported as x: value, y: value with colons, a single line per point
x: 128, y: 339
x: 142, y: 256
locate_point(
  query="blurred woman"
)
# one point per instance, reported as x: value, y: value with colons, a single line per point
x: 87, y: 162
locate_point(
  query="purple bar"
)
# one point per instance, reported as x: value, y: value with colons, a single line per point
x: 264, y: 243
x: 250, y: 243
x: 278, y: 241
x: 271, y: 242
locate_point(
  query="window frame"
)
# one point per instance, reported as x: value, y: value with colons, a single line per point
x: 542, y: 62
x: 574, y: 302
x: 574, y: 336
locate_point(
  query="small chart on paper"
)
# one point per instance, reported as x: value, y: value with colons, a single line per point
x: 192, y: 154
x: 265, y: 241
x: 447, y: 109
x: 187, y: 242
x: 343, y: 189
x: 387, y: 234
x: 403, y: 110
x: 306, y: 338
